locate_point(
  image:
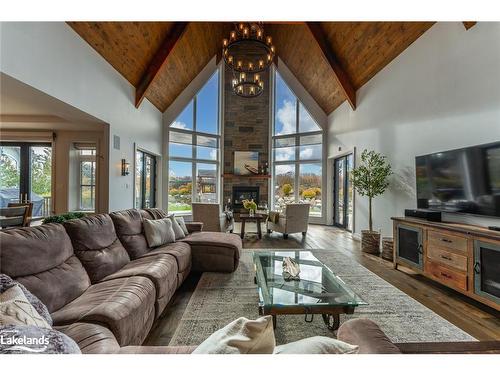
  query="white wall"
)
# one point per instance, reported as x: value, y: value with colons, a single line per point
x: 441, y: 93
x: 51, y: 57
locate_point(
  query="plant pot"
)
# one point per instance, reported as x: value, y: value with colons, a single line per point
x: 370, y: 242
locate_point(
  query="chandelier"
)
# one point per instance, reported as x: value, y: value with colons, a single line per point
x: 248, y: 52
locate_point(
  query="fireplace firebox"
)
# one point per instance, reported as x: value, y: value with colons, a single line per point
x: 240, y: 193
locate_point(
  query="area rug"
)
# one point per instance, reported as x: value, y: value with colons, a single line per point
x: 221, y: 298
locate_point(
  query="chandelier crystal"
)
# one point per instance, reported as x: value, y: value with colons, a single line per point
x: 248, y: 52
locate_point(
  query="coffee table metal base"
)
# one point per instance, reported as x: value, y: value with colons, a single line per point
x: 330, y: 315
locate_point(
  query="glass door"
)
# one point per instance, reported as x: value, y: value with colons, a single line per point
x: 343, y: 192
x: 145, y: 180
x: 26, y: 175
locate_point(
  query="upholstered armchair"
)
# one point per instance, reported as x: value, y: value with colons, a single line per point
x: 213, y: 219
x: 295, y: 219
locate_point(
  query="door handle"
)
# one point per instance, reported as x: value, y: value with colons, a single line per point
x: 445, y: 275
x: 446, y: 240
x: 445, y: 257
x: 477, y: 268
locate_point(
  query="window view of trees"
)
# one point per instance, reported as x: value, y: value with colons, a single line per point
x: 297, y: 152
x: 194, y: 141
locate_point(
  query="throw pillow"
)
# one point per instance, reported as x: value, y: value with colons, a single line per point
x: 179, y: 233
x: 6, y: 282
x: 317, y: 345
x: 180, y: 221
x: 35, y: 340
x: 15, y: 309
x: 158, y: 232
x: 243, y: 336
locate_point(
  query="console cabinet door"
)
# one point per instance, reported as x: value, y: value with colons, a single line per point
x: 487, y: 270
x: 409, y: 248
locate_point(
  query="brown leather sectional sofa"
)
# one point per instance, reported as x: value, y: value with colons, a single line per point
x: 102, y: 284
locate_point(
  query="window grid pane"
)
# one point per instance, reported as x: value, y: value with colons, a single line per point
x: 194, y: 154
x: 297, y: 158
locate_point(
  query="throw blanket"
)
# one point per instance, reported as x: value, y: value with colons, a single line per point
x: 229, y: 216
x: 274, y: 217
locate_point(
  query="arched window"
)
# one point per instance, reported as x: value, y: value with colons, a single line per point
x: 194, y: 150
x: 297, y: 152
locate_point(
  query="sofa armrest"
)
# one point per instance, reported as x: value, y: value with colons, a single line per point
x: 194, y: 226
x: 368, y: 336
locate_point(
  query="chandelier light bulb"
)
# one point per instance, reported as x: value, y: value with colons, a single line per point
x: 224, y: 42
x: 269, y: 40
x: 233, y: 35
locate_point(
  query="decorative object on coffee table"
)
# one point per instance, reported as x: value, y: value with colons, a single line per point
x: 371, y: 178
x: 291, y: 269
x: 250, y: 205
x: 258, y: 218
x: 319, y: 290
x: 387, y: 248
x: 246, y: 163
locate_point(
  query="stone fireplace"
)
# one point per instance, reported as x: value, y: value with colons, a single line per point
x: 246, y: 128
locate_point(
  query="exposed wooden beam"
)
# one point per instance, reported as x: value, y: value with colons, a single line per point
x: 468, y: 24
x: 340, y: 74
x: 158, y: 60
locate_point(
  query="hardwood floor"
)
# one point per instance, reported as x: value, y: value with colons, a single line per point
x: 474, y: 318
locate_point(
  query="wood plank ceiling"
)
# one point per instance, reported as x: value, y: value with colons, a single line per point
x: 330, y: 59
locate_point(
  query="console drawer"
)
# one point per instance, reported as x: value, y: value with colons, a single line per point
x: 447, y: 258
x: 446, y: 276
x: 448, y: 241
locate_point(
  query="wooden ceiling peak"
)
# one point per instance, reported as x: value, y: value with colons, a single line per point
x: 330, y: 59
x: 158, y: 60
x: 340, y: 75
x: 469, y: 24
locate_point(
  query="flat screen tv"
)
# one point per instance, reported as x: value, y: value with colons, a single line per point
x: 464, y: 181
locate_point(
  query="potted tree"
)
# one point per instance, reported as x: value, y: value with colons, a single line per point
x: 371, y: 178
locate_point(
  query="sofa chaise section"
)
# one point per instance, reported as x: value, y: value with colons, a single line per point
x: 214, y: 251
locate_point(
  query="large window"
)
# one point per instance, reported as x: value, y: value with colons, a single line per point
x: 194, y: 157
x: 87, y: 164
x: 145, y: 180
x: 297, y: 152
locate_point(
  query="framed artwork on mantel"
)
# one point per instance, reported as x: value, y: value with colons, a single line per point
x: 246, y: 163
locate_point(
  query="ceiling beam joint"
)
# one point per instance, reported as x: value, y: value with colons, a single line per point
x: 340, y: 74
x: 469, y: 24
x: 158, y: 61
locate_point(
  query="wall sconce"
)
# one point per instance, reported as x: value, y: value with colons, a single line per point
x: 125, y: 168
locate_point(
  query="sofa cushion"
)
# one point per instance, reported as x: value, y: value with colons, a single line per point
x: 158, y: 232
x: 179, y: 233
x: 130, y: 231
x: 6, y: 282
x: 15, y: 309
x: 214, y: 251
x: 181, y: 251
x: 161, y: 269
x: 242, y: 336
x: 317, y: 345
x: 97, y: 245
x: 182, y: 224
x: 125, y: 306
x: 367, y: 335
x: 91, y: 338
x: 154, y: 213
x: 42, y: 259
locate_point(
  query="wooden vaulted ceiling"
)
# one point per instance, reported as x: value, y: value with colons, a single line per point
x: 331, y: 59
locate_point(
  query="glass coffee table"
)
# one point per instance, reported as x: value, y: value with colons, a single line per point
x: 319, y: 290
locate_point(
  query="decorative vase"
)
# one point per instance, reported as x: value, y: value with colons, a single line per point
x: 370, y: 242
